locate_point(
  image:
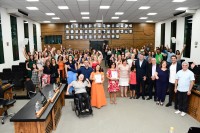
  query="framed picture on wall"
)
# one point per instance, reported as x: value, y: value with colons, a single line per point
x: 99, y: 25
x: 67, y: 26
x: 95, y: 37
x: 99, y: 36
x: 90, y: 25
x: 76, y: 31
x: 71, y: 26
x: 130, y: 25
x: 126, y: 25
x: 104, y: 25
x: 85, y: 31
x: 121, y: 31
x: 90, y: 36
x: 108, y: 31
x: 108, y: 36
x: 80, y: 25
x: 94, y: 25
x: 81, y: 37
x: 72, y: 37
x: 104, y: 36
x: 81, y: 31
x: 76, y: 37
x: 130, y: 31
x: 113, y: 31
x: 67, y: 31
x: 90, y: 31
x: 85, y: 37
x: 122, y: 25
x: 117, y: 25
x: 67, y: 37
x: 117, y: 31
x: 85, y: 26
x: 113, y: 36
x: 108, y: 25
x: 117, y: 36
x: 113, y: 25
x: 94, y: 31
x: 72, y: 31
x: 126, y: 31
x: 99, y: 31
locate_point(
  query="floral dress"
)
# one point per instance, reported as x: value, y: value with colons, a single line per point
x: 113, y: 85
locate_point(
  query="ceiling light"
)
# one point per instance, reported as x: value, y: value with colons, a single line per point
x: 55, y: 18
x: 63, y: 7
x: 115, y: 18
x: 149, y: 21
x: 46, y: 21
x: 144, y: 7
x: 82, y: 0
x: 151, y: 13
x: 104, y: 7
x: 143, y: 18
x: 99, y: 21
x: 178, y: 0
x: 182, y: 8
x: 32, y: 8
x: 124, y: 21
x: 85, y: 17
x: 72, y: 21
x: 32, y: 0
x: 131, y: 0
x: 26, y: 22
x: 50, y: 14
x: 85, y: 13
x: 119, y: 13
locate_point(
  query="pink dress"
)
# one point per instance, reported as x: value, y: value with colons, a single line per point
x: 113, y: 85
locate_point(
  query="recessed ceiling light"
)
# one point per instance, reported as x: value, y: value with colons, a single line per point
x: 72, y: 21
x: 63, y: 7
x: 85, y: 13
x: 32, y: 0
x: 115, y: 18
x: 131, y: 0
x: 149, y: 21
x: 85, y: 17
x: 152, y: 13
x: 144, y: 7
x: 104, y: 7
x: 119, y: 13
x: 124, y: 21
x: 143, y: 18
x: 182, y: 8
x: 99, y: 21
x: 178, y: 0
x: 32, y: 8
x: 82, y: 0
x: 50, y: 14
x: 55, y: 18
x: 46, y: 21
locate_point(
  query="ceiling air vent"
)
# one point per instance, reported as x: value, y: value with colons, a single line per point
x: 185, y: 13
x: 17, y: 12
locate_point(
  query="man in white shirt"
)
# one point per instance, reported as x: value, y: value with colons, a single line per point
x: 184, y: 80
x: 174, y: 67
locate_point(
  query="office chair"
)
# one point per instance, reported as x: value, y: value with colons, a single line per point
x: 6, y: 103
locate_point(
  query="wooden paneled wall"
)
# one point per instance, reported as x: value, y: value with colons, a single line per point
x: 143, y: 33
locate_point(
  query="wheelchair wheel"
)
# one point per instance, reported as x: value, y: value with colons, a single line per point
x: 77, y: 112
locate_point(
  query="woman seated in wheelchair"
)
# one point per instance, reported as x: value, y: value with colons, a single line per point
x: 80, y: 92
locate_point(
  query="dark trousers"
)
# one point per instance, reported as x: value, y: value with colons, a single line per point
x: 161, y: 93
x: 140, y: 81
x: 171, y: 94
x: 183, y: 101
x: 87, y: 100
x: 152, y: 84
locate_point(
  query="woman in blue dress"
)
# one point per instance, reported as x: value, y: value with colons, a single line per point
x: 70, y: 74
x: 162, y: 80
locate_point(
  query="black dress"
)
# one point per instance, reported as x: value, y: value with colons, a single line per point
x: 54, y: 73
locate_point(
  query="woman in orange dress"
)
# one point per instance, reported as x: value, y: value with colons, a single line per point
x: 61, y: 67
x: 98, y: 98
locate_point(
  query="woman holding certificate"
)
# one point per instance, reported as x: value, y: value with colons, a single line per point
x: 124, y: 70
x: 98, y: 98
x: 113, y: 82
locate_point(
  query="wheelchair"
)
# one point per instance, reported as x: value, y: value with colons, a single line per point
x: 76, y: 106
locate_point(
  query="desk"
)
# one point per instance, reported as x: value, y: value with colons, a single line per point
x: 25, y: 120
x: 194, y: 105
x: 7, y: 94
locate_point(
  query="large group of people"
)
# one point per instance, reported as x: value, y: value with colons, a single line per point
x: 158, y: 70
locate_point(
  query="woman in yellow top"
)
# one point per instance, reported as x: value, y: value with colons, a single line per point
x: 98, y: 98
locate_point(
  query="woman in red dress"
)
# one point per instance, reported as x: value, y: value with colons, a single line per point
x: 113, y: 82
x: 95, y: 62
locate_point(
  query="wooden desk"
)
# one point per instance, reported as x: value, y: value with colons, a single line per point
x: 25, y: 121
x: 7, y: 94
x: 194, y: 105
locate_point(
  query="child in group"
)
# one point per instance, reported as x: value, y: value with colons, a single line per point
x: 133, y: 82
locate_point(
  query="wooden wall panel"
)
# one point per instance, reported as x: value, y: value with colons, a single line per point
x: 143, y: 34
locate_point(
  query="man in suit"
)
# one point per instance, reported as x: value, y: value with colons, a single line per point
x: 141, y: 75
x: 152, y: 67
x: 174, y: 67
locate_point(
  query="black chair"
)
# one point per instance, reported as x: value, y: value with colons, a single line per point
x: 194, y: 130
x: 30, y: 87
x: 7, y: 74
x: 6, y: 103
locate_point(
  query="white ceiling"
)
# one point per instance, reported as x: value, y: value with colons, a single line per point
x: 164, y: 8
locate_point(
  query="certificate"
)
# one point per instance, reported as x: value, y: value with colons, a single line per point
x: 97, y: 78
x: 114, y: 74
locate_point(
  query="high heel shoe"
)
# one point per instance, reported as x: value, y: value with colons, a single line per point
x: 157, y: 102
x: 161, y: 103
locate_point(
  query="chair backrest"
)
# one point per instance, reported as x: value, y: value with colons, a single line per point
x: 1, y: 92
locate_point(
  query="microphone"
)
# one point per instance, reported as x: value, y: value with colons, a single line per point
x: 44, y: 100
